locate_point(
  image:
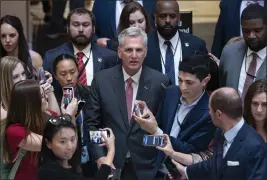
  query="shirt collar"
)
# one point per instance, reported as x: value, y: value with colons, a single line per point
x: 86, y: 50
x: 261, y: 53
x: 135, y: 77
x: 194, y: 103
x: 231, y: 134
x: 173, y: 40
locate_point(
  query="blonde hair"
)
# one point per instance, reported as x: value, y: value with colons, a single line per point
x: 7, y: 66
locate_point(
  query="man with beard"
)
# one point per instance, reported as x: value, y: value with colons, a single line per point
x: 91, y: 58
x: 245, y: 61
x: 167, y: 46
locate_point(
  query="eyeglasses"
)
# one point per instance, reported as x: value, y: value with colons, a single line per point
x: 58, y: 120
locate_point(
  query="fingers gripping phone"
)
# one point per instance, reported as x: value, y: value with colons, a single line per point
x: 96, y: 137
x: 42, y: 75
x: 81, y: 104
x: 68, y: 94
x: 151, y: 140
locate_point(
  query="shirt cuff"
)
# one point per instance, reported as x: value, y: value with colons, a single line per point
x: 159, y: 131
x: 185, y: 172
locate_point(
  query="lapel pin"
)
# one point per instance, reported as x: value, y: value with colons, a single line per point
x: 145, y: 87
x: 99, y: 59
x: 187, y: 44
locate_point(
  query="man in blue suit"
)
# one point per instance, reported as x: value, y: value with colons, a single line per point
x: 91, y: 58
x: 229, y: 23
x: 184, y: 114
x: 239, y: 151
x: 167, y: 45
x: 106, y: 26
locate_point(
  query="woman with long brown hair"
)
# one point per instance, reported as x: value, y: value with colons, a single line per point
x: 24, y: 126
x: 255, y: 107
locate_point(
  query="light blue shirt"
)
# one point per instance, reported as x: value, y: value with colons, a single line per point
x: 182, y: 110
x: 229, y: 138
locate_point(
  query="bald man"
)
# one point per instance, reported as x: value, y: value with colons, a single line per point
x: 167, y: 46
x: 239, y: 151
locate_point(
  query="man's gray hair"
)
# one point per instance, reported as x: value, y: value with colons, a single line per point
x: 132, y: 32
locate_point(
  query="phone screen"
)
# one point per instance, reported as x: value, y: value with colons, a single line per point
x: 42, y: 75
x: 150, y: 140
x: 96, y: 137
x: 68, y: 94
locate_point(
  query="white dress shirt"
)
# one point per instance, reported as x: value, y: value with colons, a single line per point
x: 119, y: 7
x: 244, y: 4
x: 177, y: 53
x: 89, y: 68
x: 135, y: 83
x: 181, y: 112
x: 247, y: 59
x: 229, y: 139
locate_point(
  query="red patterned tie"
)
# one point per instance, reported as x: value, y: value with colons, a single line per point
x: 129, y: 97
x: 250, y: 74
x: 82, y: 79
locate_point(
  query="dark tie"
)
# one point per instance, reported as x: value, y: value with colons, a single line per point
x: 220, y: 151
x: 169, y: 62
x: 82, y: 79
x: 129, y: 97
x: 250, y: 74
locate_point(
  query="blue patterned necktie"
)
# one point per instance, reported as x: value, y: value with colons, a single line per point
x: 169, y: 62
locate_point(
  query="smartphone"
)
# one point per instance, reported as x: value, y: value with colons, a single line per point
x: 96, y: 137
x: 171, y: 168
x: 116, y: 174
x: 81, y: 104
x: 68, y: 94
x: 42, y: 75
x: 137, y: 110
x: 151, y: 140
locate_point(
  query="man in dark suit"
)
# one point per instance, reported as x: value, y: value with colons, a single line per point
x: 184, y: 113
x: 167, y: 46
x: 228, y: 24
x: 65, y: 70
x: 106, y: 26
x: 90, y: 57
x: 239, y: 151
x: 244, y: 61
x: 112, y: 96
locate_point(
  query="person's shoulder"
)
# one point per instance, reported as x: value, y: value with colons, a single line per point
x: 37, y: 60
x: 105, y: 51
x: 191, y: 37
x: 233, y: 47
x: 155, y: 73
x: 15, y: 129
x: 59, y: 49
x: 105, y: 73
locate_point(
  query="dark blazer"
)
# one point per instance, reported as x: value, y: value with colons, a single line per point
x: 102, y: 58
x: 197, y: 129
x: 106, y: 25
x: 228, y: 24
x: 191, y: 45
x: 231, y: 63
x: 248, y: 148
x: 108, y: 108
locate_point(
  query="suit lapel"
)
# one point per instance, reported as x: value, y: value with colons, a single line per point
x: 185, y: 45
x: 171, y: 112
x: 262, y: 71
x: 119, y: 89
x: 238, y: 65
x: 112, y: 9
x: 97, y: 58
x: 235, y: 146
x: 142, y: 93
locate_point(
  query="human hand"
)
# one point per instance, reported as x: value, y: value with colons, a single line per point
x: 102, y: 42
x: 167, y: 148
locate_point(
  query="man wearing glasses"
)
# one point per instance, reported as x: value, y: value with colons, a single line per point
x: 244, y: 61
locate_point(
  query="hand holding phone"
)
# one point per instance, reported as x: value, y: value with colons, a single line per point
x: 81, y: 104
x: 171, y: 167
x: 140, y: 109
x: 42, y: 75
x: 153, y: 140
x: 95, y: 136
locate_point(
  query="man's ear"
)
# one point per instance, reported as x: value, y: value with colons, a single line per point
x: 206, y: 80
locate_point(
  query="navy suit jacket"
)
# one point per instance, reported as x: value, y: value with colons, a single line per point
x: 102, y: 58
x: 191, y: 45
x: 248, y: 148
x: 197, y: 129
x: 105, y: 14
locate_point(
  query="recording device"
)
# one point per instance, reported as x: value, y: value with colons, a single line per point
x: 116, y: 174
x: 139, y: 111
x: 42, y: 75
x: 152, y: 140
x: 68, y: 94
x: 171, y: 168
x: 81, y: 104
x: 95, y: 136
